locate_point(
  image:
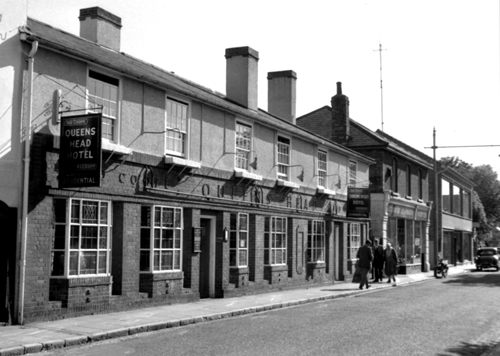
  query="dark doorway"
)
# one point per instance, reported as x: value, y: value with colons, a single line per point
x: 207, y: 258
x: 8, y: 218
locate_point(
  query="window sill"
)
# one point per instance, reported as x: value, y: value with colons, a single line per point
x: 287, y: 184
x: 324, y: 191
x: 114, y: 148
x: 182, y: 162
x: 239, y: 173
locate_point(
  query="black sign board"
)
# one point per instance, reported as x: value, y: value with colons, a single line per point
x: 80, y: 151
x: 358, y: 202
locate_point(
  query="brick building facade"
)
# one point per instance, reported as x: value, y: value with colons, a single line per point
x: 202, y: 195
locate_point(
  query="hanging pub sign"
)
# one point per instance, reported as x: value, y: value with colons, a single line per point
x: 80, y: 151
x: 358, y: 202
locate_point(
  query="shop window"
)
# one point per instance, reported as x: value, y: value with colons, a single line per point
x: 322, y: 166
x: 316, y: 241
x: 283, y: 158
x: 417, y: 243
x: 447, y: 238
x: 102, y: 92
x: 445, y: 195
x: 400, y: 247
x: 238, y: 240
x: 467, y: 247
x: 392, y: 233
x: 243, y: 145
x: 161, y: 238
x: 176, y: 127
x: 275, y: 233
x: 353, y: 239
x: 80, y: 245
x: 409, y: 242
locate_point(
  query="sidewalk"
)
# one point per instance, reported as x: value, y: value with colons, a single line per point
x: 37, y: 337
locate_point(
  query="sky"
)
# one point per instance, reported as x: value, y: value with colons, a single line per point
x: 440, y: 59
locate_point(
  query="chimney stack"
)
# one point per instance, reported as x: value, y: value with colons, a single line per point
x: 340, y: 117
x: 100, y: 26
x: 242, y: 76
x: 282, y: 94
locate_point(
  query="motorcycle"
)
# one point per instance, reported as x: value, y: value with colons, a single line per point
x: 441, y: 269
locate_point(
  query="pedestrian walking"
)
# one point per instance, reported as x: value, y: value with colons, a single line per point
x: 391, y: 264
x: 378, y: 261
x: 365, y: 258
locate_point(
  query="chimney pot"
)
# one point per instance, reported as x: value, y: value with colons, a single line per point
x: 339, y: 88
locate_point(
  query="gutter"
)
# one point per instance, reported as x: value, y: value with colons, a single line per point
x: 26, y: 173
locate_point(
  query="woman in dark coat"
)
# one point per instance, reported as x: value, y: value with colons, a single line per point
x: 391, y: 263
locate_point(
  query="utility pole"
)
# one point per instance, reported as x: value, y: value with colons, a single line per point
x: 381, y: 86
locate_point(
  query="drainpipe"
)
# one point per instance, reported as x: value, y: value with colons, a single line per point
x: 26, y: 174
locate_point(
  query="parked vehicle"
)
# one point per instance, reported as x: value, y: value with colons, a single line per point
x: 487, y: 257
x: 441, y: 269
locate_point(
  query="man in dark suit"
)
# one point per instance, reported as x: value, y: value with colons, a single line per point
x: 365, y: 258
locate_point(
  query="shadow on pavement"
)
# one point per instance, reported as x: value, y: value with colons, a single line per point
x: 468, y: 349
x: 473, y: 279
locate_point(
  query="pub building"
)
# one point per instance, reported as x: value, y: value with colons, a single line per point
x: 400, y: 206
x: 200, y: 194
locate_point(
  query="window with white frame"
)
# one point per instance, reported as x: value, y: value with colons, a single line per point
x: 353, y: 167
x: 283, y: 157
x: 322, y: 159
x: 275, y: 229
x: 102, y: 92
x: 353, y: 239
x: 238, y: 240
x: 243, y: 145
x: 316, y: 241
x: 176, y: 127
x: 161, y: 238
x: 80, y: 245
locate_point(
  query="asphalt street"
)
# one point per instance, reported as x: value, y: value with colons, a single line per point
x: 455, y: 316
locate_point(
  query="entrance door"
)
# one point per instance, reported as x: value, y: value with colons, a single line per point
x: 336, y: 259
x: 207, y: 257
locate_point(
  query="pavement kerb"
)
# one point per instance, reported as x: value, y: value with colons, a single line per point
x: 101, y: 336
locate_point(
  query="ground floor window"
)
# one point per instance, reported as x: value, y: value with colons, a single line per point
x: 356, y: 236
x: 161, y: 238
x: 467, y: 247
x: 316, y: 241
x: 275, y: 233
x: 406, y: 237
x: 447, y: 243
x: 80, y: 245
x: 238, y: 240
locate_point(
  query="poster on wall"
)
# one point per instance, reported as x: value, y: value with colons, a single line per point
x: 358, y: 202
x: 80, y: 151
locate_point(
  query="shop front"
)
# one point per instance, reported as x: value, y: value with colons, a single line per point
x: 407, y: 231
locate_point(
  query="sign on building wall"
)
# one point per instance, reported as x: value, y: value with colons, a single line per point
x: 358, y: 202
x: 80, y: 151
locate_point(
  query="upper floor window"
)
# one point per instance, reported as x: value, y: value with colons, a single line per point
x: 466, y: 204
x: 176, y: 127
x: 420, y: 185
x: 81, y: 242
x: 243, y: 145
x: 408, y: 180
x: 103, y: 92
x: 446, y: 195
x: 457, y: 200
x: 316, y: 241
x: 353, y: 167
x: 275, y: 233
x: 322, y: 159
x: 283, y: 158
x: 394, y: 176
x: 161, y: 238
x: 238, y: 240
